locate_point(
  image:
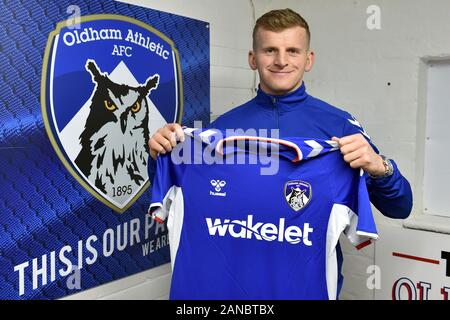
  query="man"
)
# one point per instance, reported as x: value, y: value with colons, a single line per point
x: 281, y: 54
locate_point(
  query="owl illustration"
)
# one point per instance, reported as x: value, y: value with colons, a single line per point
x: 297, y: 199
x: 114, y: 148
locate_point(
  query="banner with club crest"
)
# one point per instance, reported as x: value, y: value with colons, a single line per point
x: 84, y: 86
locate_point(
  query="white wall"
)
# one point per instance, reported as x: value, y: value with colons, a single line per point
x: 352, y: 71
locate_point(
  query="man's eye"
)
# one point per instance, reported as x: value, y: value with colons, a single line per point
x: 110, y: 106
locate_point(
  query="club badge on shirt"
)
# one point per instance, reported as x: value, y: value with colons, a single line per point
x: 297, y: 193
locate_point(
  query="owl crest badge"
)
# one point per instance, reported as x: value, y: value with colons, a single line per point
x: 107, y: 84
x: 297, y: 194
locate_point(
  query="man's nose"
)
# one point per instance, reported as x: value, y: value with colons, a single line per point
x: 281, y: 59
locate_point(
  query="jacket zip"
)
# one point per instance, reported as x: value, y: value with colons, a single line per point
x: 274, y: 101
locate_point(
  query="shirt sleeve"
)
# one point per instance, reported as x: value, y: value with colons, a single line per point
x: 391, y: 195
x: 352, y: 199
x: 162, y: 193
x: 353, y: 126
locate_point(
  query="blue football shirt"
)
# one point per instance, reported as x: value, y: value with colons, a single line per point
x: 237, y: 233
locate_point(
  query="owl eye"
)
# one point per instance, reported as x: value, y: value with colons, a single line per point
x: 136, y: 107
x: 110, y: 106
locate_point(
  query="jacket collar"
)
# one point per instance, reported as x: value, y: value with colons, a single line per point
x: 285, y: 102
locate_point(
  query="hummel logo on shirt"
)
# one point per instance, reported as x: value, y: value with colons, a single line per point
x: 218, y: 185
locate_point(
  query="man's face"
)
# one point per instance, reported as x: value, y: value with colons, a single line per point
x: 281, y: 59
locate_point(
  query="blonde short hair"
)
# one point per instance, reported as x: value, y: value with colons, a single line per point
x: 279, y: 20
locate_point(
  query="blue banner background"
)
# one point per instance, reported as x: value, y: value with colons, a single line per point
x: 42, y: 207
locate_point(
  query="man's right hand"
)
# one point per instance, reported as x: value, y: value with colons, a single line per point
x: 165, y: 139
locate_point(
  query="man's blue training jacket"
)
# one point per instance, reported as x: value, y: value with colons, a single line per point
x: 297, y: 114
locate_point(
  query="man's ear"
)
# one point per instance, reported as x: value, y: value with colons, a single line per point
x: 252, y: 60
x: 309, y: 61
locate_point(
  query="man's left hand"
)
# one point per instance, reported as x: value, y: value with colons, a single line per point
x: 359, y: 153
